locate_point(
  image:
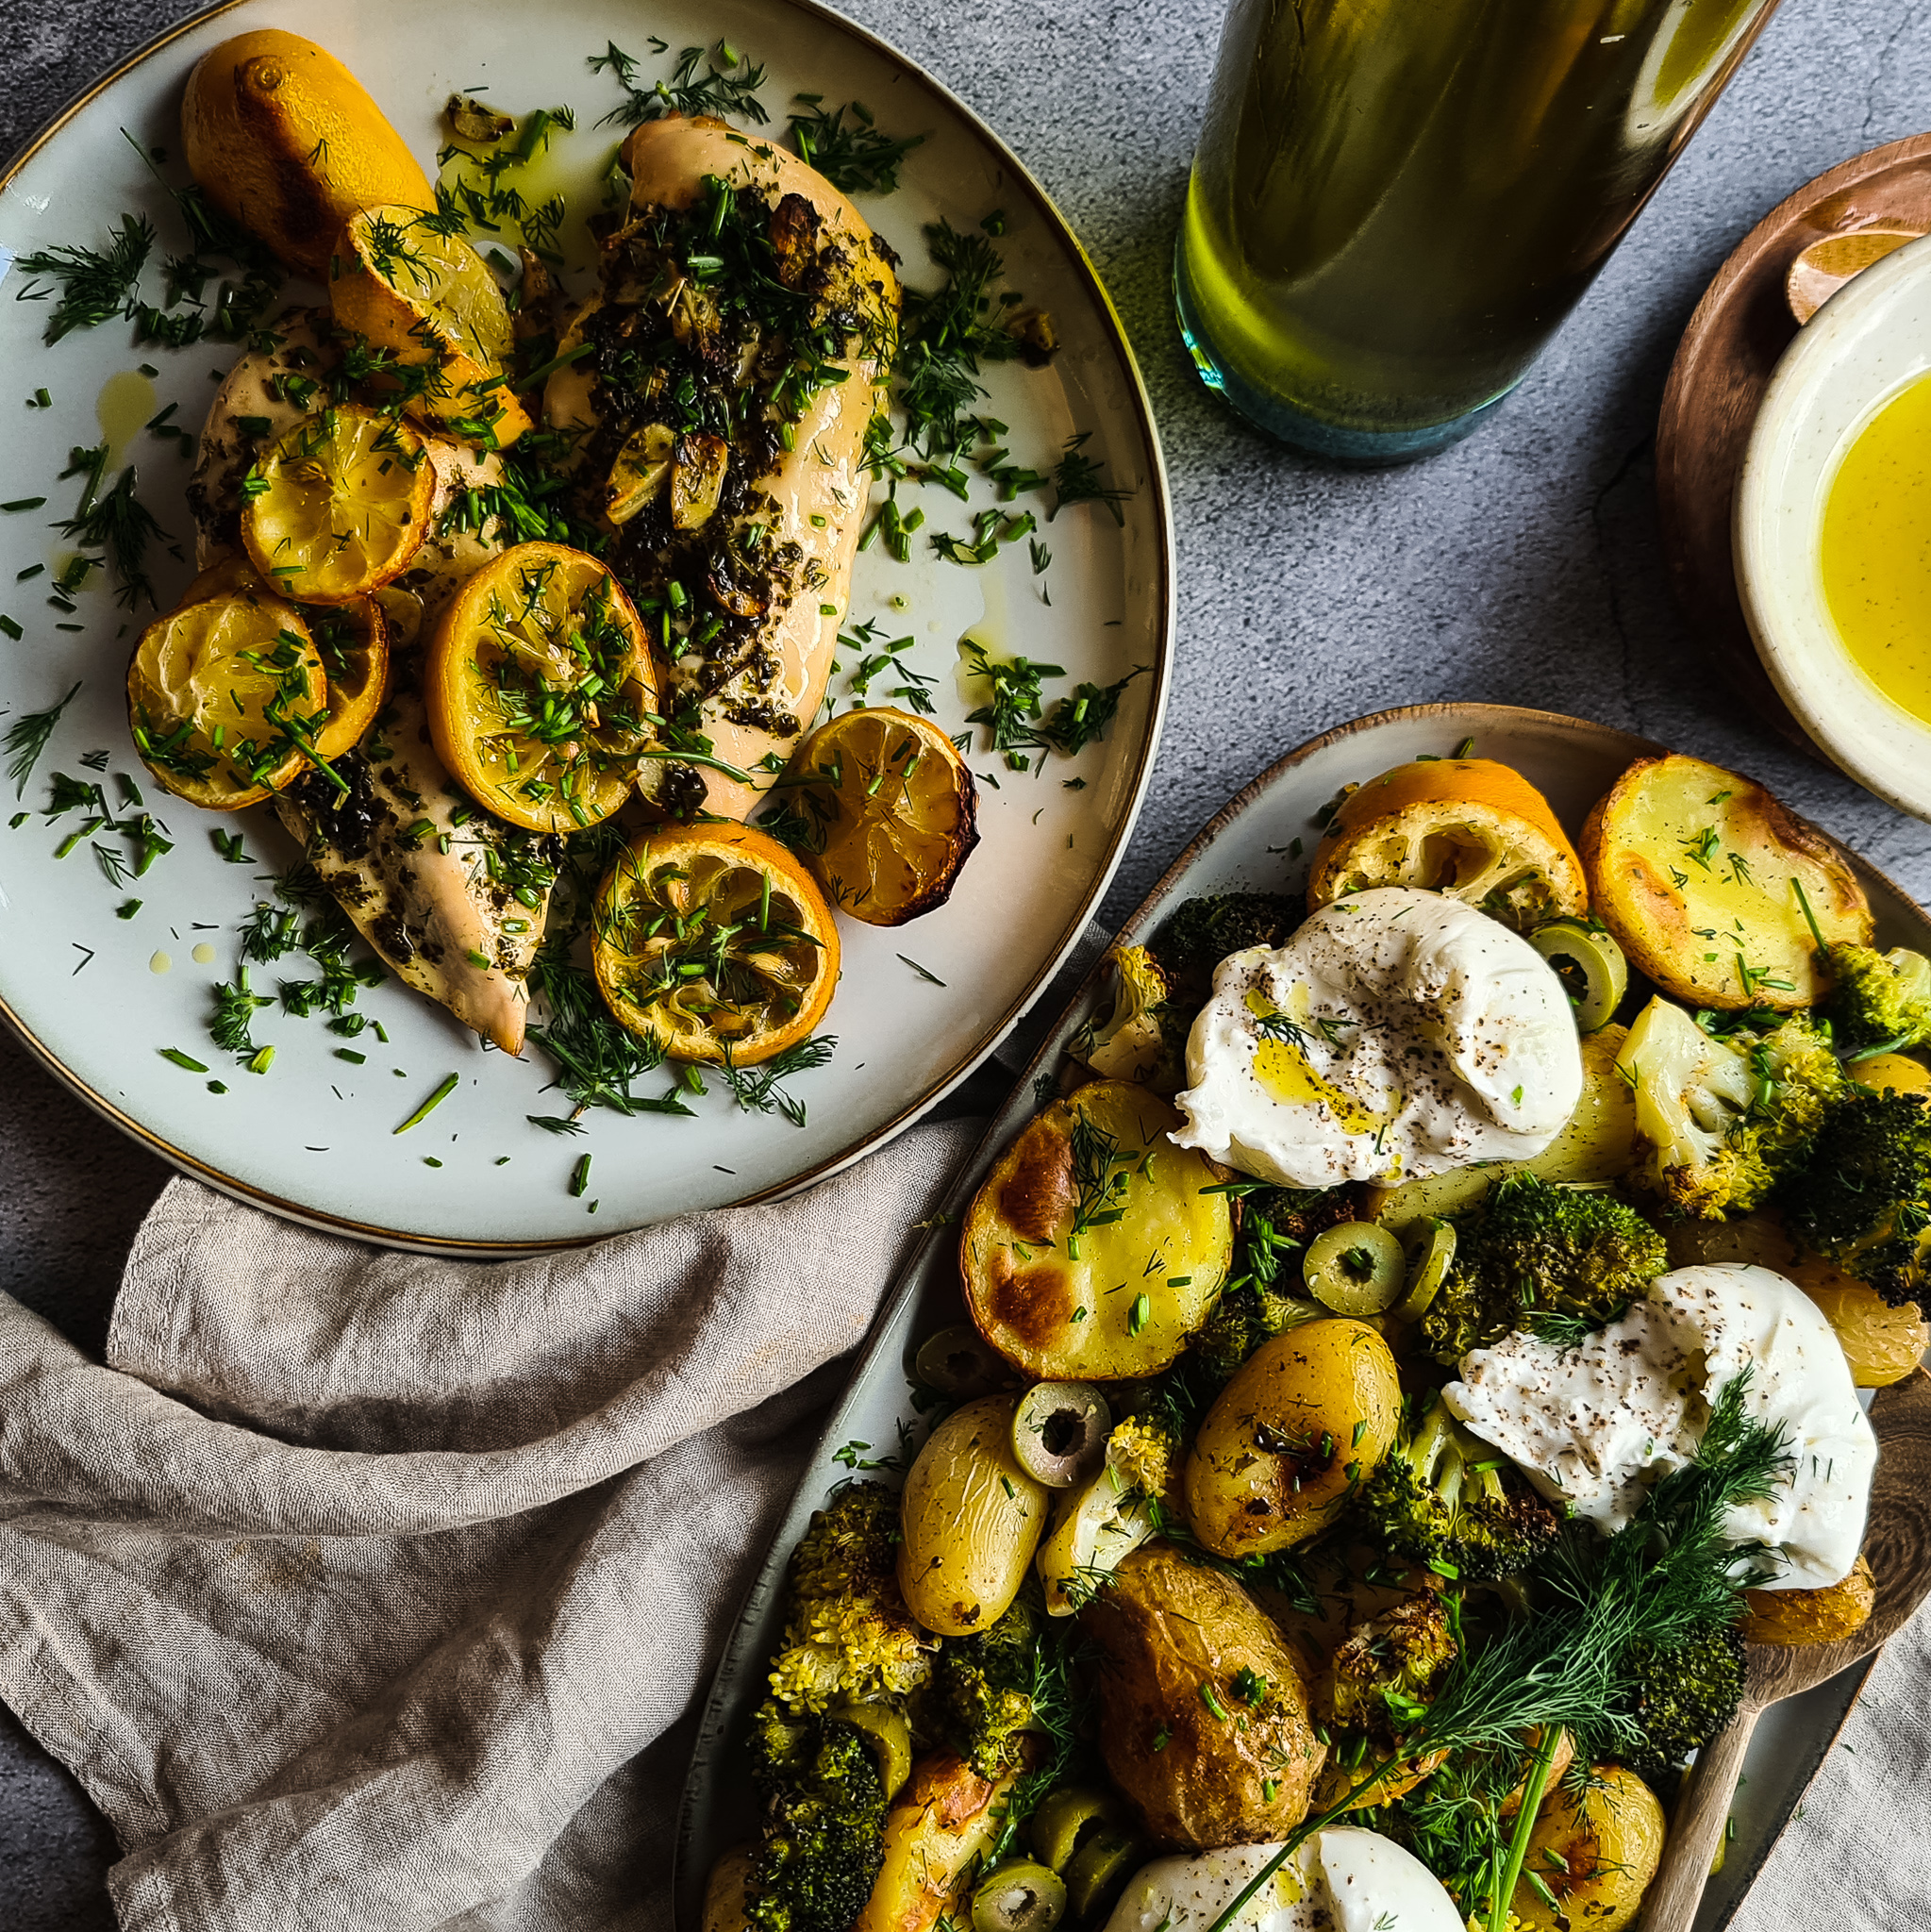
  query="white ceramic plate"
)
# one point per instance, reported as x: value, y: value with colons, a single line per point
x: 1248, y: 846
x: 314, y: 1137
x: 1871, y: 340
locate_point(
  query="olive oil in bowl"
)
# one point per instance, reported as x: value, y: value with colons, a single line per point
x: 1396, y: 202
x: 1874, y: 550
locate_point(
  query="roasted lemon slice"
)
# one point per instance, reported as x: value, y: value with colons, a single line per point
x: 1466, y: 827
x: 352, y: 640
x: 890, y: 810
x: 429, y: 300
x: 224, y: 697
x: 713, y: 940
x: 339, y: 505
x: 541, y: 688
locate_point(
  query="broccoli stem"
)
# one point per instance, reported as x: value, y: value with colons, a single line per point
x: 1533, y: 1788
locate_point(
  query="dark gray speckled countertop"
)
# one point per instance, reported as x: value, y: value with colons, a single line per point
x: 1521, y: 567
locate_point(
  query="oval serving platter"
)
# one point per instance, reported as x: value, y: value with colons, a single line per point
x: 1255, y: 844
x: 99, y: 997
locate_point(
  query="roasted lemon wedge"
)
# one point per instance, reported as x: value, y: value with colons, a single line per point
x: 339, y: 505
x: 429, y: 300
x: 541, y: 690
x: 1466, y: 827
x: 224, y: 698
x: 889, y: 812
x: 353, y: 641
x: 714, y: 941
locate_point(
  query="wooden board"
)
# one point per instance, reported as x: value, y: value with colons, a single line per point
x: 1724, y: 364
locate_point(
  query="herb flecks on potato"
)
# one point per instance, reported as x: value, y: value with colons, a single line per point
x: 1310, y: 1414
x: 1204, y: 1721
x: 1703, y: 878
x: 1094, y: 1249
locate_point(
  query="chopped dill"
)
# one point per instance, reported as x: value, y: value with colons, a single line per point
x: 758, y: 1089
x: 27, y: 739
x: 857, y: 159
x: 728, y: 86
x: 95, y: 286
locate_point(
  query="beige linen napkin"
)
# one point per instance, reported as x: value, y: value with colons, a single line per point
x: 366, y: 1593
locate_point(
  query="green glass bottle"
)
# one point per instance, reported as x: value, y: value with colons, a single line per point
x: 1396, y: 202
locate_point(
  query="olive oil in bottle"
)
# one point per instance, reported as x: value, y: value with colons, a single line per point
x: 1395, y: 203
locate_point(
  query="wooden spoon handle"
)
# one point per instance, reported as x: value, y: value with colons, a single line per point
x: 1696, y: 1831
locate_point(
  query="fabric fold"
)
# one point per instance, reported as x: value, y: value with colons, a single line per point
x: 361, y: 1590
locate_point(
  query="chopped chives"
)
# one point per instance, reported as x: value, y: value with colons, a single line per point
x: 429, y: 1106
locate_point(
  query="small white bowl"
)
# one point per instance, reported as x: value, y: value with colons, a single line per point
x: 1869, y: 341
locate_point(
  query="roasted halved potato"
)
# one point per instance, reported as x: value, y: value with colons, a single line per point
x: 1204, y: 1722
x: 1792, y: 1617
x: 1595, y: 1844
x: 936, y: 1832
x: 1093, y: 1250
x: 1598, y: 1144
x: 1702, y: 879
x: 1309, y: 1415
x: 1882, y: 1344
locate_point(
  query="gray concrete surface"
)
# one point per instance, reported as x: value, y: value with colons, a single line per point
x: 1521, y: 567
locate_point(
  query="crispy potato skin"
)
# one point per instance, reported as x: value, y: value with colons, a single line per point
x: 1061, y: 1316
x: 1169, y: 1629
x: 939, y: 1824
x: 1269, y: 1464
x: 971, y: 1519
x: 1653, y: 827
x: 1790, y: 1618
x: 1608, y: 1839
x: 669, y: 161
x: 282, y: 138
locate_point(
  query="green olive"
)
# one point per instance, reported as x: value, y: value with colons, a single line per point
x: 1099, y: 1869
x: 1590, y: 966
x: 889, y: 1735
x: 958, y: 1362
x: 1060, y: 1432
x: 1059, y: 1826
x: 1354, y: 1269
x: 1428, y: 1248
x: 1023, y: 1897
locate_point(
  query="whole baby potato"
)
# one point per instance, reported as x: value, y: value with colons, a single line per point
x: 1307, y: 1415
x: 972, y: 1518
x: 1204, y: 1722
x: 1882, y: 1344
x: 1792, y: 1617
x: 1605, y: 1833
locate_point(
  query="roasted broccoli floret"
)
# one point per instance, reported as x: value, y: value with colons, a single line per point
x: 1385, y: 1675
x: 1690, y: 1690
x: 981, y: 1700
x: 1864, y: 1199
x: 822, y: 1845
x: 1725, y: 1121
x: 1142, y: 1036
x: 848, y: 1641
x: 1202, y: 932
x: 1535, y: 1250
x: 848, y: 1636
x: 1447, y: 1501
x: 1878, y: 1000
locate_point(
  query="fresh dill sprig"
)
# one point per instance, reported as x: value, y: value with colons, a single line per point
x: 95, y: 286
x: 1076, y: 479
x: 728, y: 86
x: 27, y: 739
x: 120, y: 524
x: 597, y: 1060
x: 235, y: 1008
x: 758, y: 1089
x: 944, y: 339
x: 551, y: 1124
x: 1015, y: 705
x: 858, y: 160
x: 269, y: 932
x: 1077, y: 721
